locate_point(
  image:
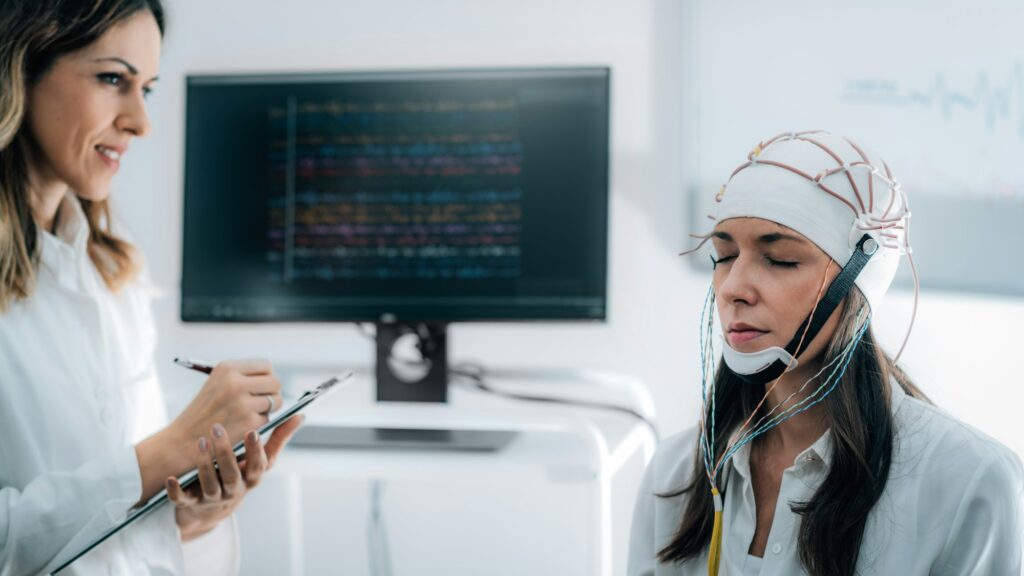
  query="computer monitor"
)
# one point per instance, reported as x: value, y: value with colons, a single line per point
x: 407, y: 199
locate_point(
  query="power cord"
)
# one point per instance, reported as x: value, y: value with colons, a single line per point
x: 475, y: 374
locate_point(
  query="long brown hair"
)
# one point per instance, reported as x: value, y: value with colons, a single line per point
x: 858, y: 412
x: 33, y: 34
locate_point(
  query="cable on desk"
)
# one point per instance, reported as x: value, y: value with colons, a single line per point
x: 475, y: 374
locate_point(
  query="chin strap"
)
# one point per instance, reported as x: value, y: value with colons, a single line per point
x: 840, y: 287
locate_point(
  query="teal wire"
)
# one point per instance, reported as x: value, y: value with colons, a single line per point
x: 847, y: 356
x: 704, y: 341
x: 769, y: 418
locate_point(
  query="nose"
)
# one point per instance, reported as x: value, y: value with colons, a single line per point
x: 737, y: 284
x: 133, y: 118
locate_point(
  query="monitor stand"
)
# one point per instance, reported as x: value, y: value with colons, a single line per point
x: 404, y: 379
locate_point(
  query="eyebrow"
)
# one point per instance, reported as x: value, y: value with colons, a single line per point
x: 132, y: 69
x: 763, y: 239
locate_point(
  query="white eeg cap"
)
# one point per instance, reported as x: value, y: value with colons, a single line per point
x: 830, y: 190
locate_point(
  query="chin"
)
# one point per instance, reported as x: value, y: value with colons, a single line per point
x: 756, y: 345
x: 94, y: 192
x: 748, y: 349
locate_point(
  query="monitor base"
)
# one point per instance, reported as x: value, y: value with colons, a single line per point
x: 374, y: 438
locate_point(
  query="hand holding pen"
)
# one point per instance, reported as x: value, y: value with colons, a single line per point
x: 199, y: 366
x: 236, y: 398
x: 252, y: 376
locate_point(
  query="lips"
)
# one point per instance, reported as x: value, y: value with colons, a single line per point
x: 740, y: 332
x: 111, y: 155
x: 114, y: 153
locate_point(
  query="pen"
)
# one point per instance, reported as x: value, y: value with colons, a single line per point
x: 193, y: 365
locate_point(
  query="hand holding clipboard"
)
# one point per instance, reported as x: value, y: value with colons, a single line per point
x: 192, y: 477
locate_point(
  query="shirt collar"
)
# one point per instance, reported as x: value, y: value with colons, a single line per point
x: 65, y: 247
x: 896, y: 395
x: 821, y: 449
x: 741, y: 460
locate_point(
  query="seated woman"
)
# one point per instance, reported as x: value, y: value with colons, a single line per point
x: 815, y: 453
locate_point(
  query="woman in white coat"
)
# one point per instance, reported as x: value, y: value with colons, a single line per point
x: 815, y: 453
x: 82, y: 434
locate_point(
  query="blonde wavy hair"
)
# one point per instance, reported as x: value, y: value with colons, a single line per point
x: 33, y: 34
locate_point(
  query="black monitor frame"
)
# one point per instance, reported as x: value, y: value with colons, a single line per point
x: 429, y: 329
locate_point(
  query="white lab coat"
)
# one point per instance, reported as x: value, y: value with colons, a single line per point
x: 952, y: 505
x: 77, y: 390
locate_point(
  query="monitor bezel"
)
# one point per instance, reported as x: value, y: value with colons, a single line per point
x: 480, y: 314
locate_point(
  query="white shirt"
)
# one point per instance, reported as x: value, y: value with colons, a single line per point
x: 953, y: 505
x: 78, y: 389
x: 752, y: 566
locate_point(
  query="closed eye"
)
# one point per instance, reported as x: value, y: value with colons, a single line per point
x: 781, y: 263
x: 771, y: 261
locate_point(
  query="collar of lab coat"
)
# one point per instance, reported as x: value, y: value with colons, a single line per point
x: 64, y: 252
x: 821, y: 450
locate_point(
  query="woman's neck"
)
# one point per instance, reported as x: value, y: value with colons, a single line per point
x: 44, y: 198
x: 802, y: 430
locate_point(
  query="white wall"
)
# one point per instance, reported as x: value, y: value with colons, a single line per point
x: 962, y: 350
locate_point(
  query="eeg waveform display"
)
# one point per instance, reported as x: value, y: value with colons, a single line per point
x: 403, y: 190
x: 993, y: 100
x: 413, y: 196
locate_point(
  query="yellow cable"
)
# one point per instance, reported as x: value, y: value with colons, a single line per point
x: 715, y: 553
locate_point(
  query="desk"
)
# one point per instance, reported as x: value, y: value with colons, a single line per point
x: 557, y: 500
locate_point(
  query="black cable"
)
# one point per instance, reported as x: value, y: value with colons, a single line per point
x: 477, y: 379
x: 475, y: 374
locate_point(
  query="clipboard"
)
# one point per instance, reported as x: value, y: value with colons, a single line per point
x: 190, y: 478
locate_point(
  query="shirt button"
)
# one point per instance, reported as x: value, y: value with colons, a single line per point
x: 776, y: 548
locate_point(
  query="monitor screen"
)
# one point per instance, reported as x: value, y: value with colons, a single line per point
x: 403, y: 196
